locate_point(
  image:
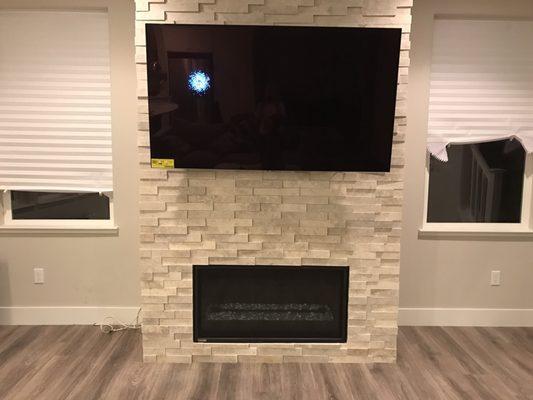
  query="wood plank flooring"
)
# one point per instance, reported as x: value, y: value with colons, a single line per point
x: 79, y: 362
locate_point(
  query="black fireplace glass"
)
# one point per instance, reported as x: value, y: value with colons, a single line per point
x: 270, y: 303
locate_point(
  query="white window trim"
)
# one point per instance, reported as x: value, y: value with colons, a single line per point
x: 480, y: 229
x: 55, y: 226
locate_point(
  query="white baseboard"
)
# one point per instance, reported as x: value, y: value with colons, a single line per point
x: 64, y: 315
x: 465, y: 317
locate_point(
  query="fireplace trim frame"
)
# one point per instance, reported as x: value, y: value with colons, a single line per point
x: 345, y: 270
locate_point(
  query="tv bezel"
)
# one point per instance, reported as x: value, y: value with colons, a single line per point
x: 391, y: 117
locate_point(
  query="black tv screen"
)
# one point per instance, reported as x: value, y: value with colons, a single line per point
x: 272, y: 97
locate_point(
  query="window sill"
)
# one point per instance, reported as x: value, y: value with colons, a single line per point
x: 475, y: 234
x: 104, y: 230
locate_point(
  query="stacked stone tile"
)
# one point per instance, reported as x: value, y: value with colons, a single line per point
x: 271, y: 218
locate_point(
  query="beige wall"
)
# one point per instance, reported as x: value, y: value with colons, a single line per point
x: 103, y: 271
x: 447, y: 273
x: 87, y: 270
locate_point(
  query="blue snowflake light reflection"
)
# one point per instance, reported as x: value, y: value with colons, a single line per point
x: 199, y: 82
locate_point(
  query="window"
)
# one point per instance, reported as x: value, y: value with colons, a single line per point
x: 39, y: 205
x: 54, y: 210
x: 479, y: 183
x: 55, y: 119
x: 480, y: 127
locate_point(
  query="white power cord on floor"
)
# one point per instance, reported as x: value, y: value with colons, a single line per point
x: 113, y: 324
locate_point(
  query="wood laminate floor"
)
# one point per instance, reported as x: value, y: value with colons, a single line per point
x: 79, y: 362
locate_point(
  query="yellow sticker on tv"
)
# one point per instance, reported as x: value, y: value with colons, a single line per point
x: 162, y: 163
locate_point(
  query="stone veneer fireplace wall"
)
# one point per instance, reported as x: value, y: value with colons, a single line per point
x: 271, y: 218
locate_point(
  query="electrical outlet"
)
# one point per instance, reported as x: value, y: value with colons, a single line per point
x: 495, y: 278
x: 38, y: 275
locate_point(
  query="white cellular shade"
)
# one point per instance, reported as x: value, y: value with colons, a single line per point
x: 481, y: 83
x: 55, y: 93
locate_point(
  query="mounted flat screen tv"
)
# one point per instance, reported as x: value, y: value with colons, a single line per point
x: 272, y: 97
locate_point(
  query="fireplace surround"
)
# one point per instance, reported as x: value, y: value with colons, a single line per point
x: 263, y: 218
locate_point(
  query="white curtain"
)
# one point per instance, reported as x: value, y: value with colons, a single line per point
x: 481, y: 83
x: 55, y: 93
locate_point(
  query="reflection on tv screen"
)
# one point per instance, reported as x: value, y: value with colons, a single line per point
x: 271, y: 97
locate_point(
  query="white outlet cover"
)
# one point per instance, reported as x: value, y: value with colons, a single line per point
x: 495, y: 278
x: 38, y: 275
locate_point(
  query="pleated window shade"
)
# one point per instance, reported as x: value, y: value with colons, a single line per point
x: 481, y: 83
x: 55, y: 93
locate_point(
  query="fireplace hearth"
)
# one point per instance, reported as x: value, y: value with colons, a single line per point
x: 270, y: 303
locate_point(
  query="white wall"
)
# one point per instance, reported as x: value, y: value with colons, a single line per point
x: 445, y: 274
x: 437, y: 276
x: 85, y: 271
